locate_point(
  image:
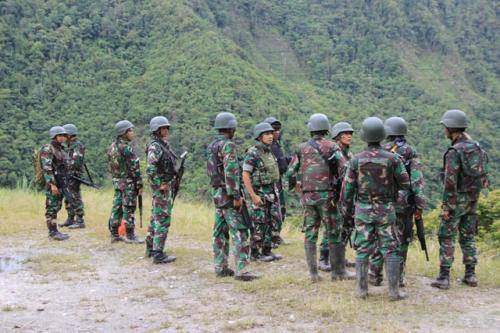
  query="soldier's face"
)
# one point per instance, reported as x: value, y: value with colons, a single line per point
x: 267, y: 138
x: 130, y: 134
x: 164, y: 131
x: 276, y: 134
x: 61, y: 138
x: 346, y: 138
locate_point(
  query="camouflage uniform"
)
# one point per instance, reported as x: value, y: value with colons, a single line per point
x: 282, y: 166
x: 261, y: 163
x: 124, y: 167
x: 76, y: 151
x: 161, y: 161
x: 224, y: 172
x: 408, y: 201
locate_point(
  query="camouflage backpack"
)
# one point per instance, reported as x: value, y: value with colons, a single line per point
x: 39, y: 179
x: 474, y: 162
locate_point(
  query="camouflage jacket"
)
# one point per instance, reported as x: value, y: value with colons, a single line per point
x: 374, y: 176
x: 161, y: 161
x: 123, y: 164
x: 223, y: 169
x: 316, y: 176
x: 261, y: 163
x: 76, y: 151
x: 54, y: 159
x: 410, y: 159
x: 340, y: 160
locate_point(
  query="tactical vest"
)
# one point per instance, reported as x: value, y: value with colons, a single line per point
x: 266, y: 172
x: 376, y: 177
x: 474, y: 165
x: 316, y: 174
x: 166, y: 165
x: 215, y: 165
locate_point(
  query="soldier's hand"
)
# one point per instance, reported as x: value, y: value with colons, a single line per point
x: 237, y: 203
x: 297, y: 187
x: 418, y: 214
x: 54, y: 189
x: 257, y: 201
x: 445, y: 215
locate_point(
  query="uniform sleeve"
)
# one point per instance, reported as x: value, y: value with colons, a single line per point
x: 451, y: 169
x: 349, y: 189
x: 293, y: 167
x: 401, y: 177
x: 250, y: 160
x: 46, y: 157
x: 153, y: 159
x: 418, y: 183
x: 133, y: 163
x: 80, y: 157
x: 231, y: 169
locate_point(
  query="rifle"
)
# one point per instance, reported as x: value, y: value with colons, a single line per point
x: 178, y: 178
x: 86, y: 182
x: 61, y: 178
x: 246, y: 217
x: 139, y: 203
x: 419, y: 223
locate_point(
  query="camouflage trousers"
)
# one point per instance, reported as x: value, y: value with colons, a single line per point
x: 266, y: 220
x: 282, y: 196
x: 161, y: 216
x: 316, y: 215
x: 53, y: 204
x: 229, y: 223
x: 124, y: 205
x: 462, y: 222
x: 375, y: 227
x: 76, y: 206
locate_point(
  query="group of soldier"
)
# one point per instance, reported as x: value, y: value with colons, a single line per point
x: 370, y: 198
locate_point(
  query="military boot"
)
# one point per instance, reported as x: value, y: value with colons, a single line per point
x: 79, y: 223
x: 69, y: 221
x: 470, y: 276
x: 246, y: 276
x: 131, y: 238
x: 267, y: 252
x: 115, y: 236
x: 362, y: 278
x: 226, y: 271
x: 392, y: 267
x: 443, y: 280
x: 254, y: 254
x: 324, y: 261
x: 337, y: 261
x: 375, y: 276
x: 54, y: 234
x: 149, y: 246
x: 310, y: 249
x: 402, y: 267
x: 266, y: 255
x: 159, y: 257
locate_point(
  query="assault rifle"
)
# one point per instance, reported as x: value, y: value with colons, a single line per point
x: 178, y: 178
x: 419, y: 224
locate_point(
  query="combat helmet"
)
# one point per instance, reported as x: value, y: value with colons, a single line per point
x: 157, y: 122
x: 122, y: 127
x: 56, y: 130
x: 454, y: 119
x: 372, y: 130
x: 261, y: 128
x: 341, y: 127
x: 70, y: 129
x: 395, y: 126
x: 225, y: 120
x: 318, y: 122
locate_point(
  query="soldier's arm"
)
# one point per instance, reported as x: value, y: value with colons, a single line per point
x: 349, y: 189
x: 401, y: 177
x: 153, y: 158
x: 46, y: 157
x: 418, y: 183
x: 231, y: 170
x: 451, y: 169
x: 135, y: 168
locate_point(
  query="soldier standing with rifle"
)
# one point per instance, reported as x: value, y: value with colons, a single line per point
x: 410, y: 202
x: 124, y: 167
x: 370, y: 188
x: 76, y: 151
x: 161, y: 173
x: 54, y: 163
x: 223, y: 169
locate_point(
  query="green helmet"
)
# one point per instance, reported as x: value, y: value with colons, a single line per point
x: 318, y: 122
x: 122, y: 127
x: 454, y: 119
x: 157, y: 122
x: 71, y: 129
x: 372, y: 130
x: 341, y: 127
x: 395, y: 126
x: 272, y: 120
x: 261, y: 128
x: 225, y: 120
x: 56, y: 130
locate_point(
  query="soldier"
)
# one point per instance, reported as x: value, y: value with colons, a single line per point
x: 161, y: 173
x: 370, y: 187
x: 54, y: 161
x: 224, y: 172
x: 465, y: 174
x: 342, y: 134
x: 317, y: 175
x: 410, y: 203
x: 76, y: 152
x: 124, y: 167
x: 283, y: 162
x: 261, y: 177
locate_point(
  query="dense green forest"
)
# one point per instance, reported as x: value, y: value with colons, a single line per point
x: 93, y: 63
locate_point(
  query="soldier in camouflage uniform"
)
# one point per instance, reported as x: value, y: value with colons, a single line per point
x: 342, y: 134
x: 370, y: 187
x: 161, y: 173
x: 317, y: 173
x: 465, y: 174
x: 54, y: 162
x: 261, y: 177
x: 76, y: 151
x: 225, y: 179
x: 410, y: 203
x: 283, y: 162
x: 125, y: 170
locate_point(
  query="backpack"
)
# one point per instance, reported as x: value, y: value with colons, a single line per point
x: 39, y: 179
x: 474, y: 161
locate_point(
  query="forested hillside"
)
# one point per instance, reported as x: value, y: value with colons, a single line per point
x: 93, y: 63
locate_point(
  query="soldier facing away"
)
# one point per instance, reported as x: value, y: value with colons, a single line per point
x: 125, y: 170
x: 409, y: 204
x: 370, y: 187
x: 465, y: 174
x: 223, y: 169
x: 54, y: 162
x: 76, y: 152
x: 261, y: 178
x: 161, y: 161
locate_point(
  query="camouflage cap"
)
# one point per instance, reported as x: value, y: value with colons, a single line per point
x: 454, y: 119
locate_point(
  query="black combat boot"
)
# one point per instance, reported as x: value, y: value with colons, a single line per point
x: 115, y: 236
x: 79, y: 223
x: 362, y: 278
x: 247, y: 276
x: 443, y: 280
x: 226, y: 271
x: 159, y: 257
x: 337, y: 262
x: 392, y: 270
x: 69, y: 221
x: 324, y: 261
x: 131, y: 238
x: 470, y: 276
x: 254, y: 254
x: 54, y: 234
x: 266, y: 251
x: 310, y: 249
